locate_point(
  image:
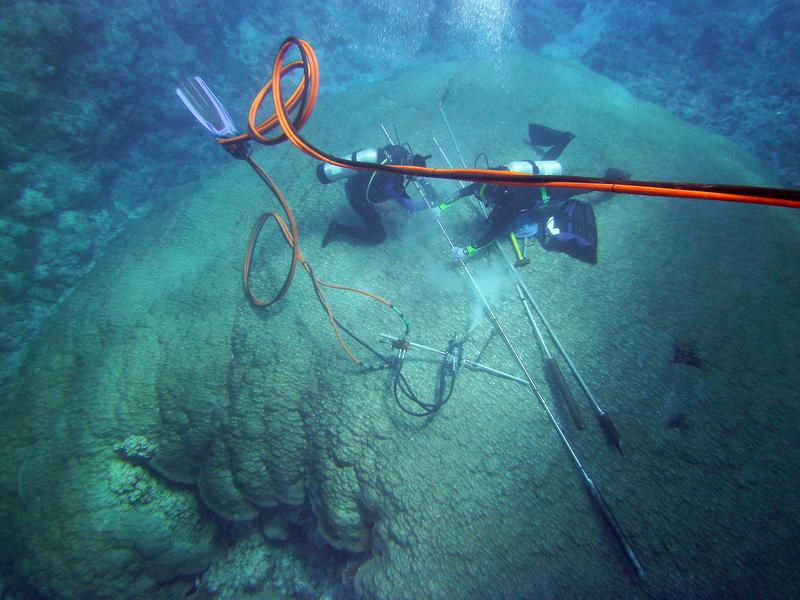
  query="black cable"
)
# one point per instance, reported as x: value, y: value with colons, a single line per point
x: 388, y: 361
x: 486, y: 158
x: 448, y: 369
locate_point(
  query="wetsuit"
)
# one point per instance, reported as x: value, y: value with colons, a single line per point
x: 507, y: 203
x: 562, y: 223
x: 368, y: 188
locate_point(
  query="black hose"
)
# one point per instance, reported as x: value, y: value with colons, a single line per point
x: 387, y: 361
x: 448, y: 369
x: 486, y: 158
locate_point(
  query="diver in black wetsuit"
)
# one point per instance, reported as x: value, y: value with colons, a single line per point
x: 551, y: 214
x: 364, y: 189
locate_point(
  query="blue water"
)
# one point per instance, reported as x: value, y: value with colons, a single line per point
x: 165, y: 438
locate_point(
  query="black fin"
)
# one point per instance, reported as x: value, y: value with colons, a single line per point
x: 330, y: 233
x: 616, y: 174
x: 545, y: 137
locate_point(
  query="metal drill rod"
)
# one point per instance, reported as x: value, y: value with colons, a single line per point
x: 452, y: 137
x: 594, y: 490
x: 460, y: 183
x: 606, y: 424
x: 468, y: 362
x: 551, y: 366
x: 533, y: 323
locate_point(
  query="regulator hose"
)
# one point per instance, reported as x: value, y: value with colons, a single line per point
x: 446, y: 379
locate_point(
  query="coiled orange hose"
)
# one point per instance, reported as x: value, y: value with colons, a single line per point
x: 289, y: 233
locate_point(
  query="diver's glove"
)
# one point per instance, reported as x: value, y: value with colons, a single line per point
x: 462, y: 253
x: 436, y: 213
x: 458, y: 253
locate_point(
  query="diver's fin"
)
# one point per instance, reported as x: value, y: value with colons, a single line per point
x: 545, y: 137
x: 330, y: 233
x: 616, y: 174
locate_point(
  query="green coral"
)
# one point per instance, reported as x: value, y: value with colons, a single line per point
x: 131, y: 483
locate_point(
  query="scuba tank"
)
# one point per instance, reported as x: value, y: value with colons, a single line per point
x: 535, y: 167
x: 328, y: 173
x: 528, y: 167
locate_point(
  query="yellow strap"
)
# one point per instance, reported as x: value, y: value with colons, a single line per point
x: 545, y: 195
x: 516, y: 246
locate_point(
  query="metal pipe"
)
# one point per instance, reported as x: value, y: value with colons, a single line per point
x: 603, y: 417
x: 460, y: 183
x: 606, y: 424
x: 452, y: 137
x: 551, y: 365
x: 593, y: 489
x: 467, y: 361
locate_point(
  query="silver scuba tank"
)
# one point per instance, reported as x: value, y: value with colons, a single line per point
x: 328, y: 173
x: 535, y: 167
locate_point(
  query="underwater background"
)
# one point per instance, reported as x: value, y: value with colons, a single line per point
x: 162, y: 438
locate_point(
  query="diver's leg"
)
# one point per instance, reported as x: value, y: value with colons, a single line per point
x: 372, y: 231
x: 373, y: 234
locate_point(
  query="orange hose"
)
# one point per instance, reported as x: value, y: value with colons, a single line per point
x: 309, y: 87
x: 290, y: 235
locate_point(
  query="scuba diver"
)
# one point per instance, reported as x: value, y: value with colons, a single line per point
x: 560, y: 222
x: 364, y: 189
